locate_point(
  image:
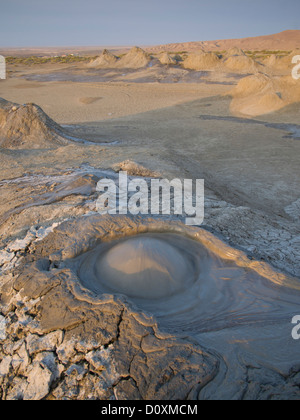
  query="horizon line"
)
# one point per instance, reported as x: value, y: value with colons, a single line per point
x: 142, y: 45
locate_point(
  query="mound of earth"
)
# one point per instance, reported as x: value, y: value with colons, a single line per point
x: 134, y: 169
x: 256, y: 95
x: 262, y: 94
x: 201, y: 61
x: 166, y: 59
x: 135, y: 59
x: 105, y: 60
x: 284, y: 64
x: 28, y: 127
x: 241, y: 64
x: 253, y: 84
x: 234, y: 51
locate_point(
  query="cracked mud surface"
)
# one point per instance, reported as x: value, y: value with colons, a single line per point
x: 60, y: 340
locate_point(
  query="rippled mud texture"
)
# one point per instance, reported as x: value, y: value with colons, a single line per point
x: 224, y: 332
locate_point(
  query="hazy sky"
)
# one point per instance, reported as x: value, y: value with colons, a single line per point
x: 140, y: 22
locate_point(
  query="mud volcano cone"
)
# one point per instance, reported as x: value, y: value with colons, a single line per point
x: 144, y: 267
x: 28, y: 127
x: 242, y: 64
x: 105, y: 60
x: 201, y: 61
x: 136, y: 58
x: 167, y: 60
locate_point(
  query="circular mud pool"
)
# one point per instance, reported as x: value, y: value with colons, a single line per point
x: 149, y: 266
x: 187, y: 286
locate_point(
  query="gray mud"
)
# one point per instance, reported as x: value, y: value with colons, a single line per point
x: 175, y: 74
x: 223, y: 332
x: 292, y: 129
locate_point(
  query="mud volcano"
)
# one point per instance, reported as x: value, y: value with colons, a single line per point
x: 187, y: 285
x: 86, y: 295
x: 145, y: 267
x: 28, y: 127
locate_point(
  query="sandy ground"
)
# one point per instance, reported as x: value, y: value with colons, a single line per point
x: 250, y: 165
x: 75, y: 103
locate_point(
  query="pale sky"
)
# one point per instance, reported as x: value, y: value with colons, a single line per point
x: 139, y: 22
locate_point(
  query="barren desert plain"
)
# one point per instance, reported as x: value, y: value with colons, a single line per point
x: 144, y: 307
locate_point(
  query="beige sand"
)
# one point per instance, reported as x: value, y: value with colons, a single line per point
x: 242, y: 63
x: 201, y: 61
x: 63, y: 101
x: 166, y: 59
x: 260, y: 94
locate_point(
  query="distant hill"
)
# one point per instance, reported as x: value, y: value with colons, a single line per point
x: 283, y: 41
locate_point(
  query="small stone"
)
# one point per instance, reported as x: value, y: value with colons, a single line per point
x: 5, y: 365
x: 49, y: 342
x: 39, y: 382
x: 66, y: 351
x: 77, y: 371
x: 42, y: 373
x: 18, y: 387
x: 252, y: 249
x: 6, y: 257
x: 88, y: 345
x: 48, y: 359
x: 20, y: 244
x: 96, y: 360
x: 21, y: 360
